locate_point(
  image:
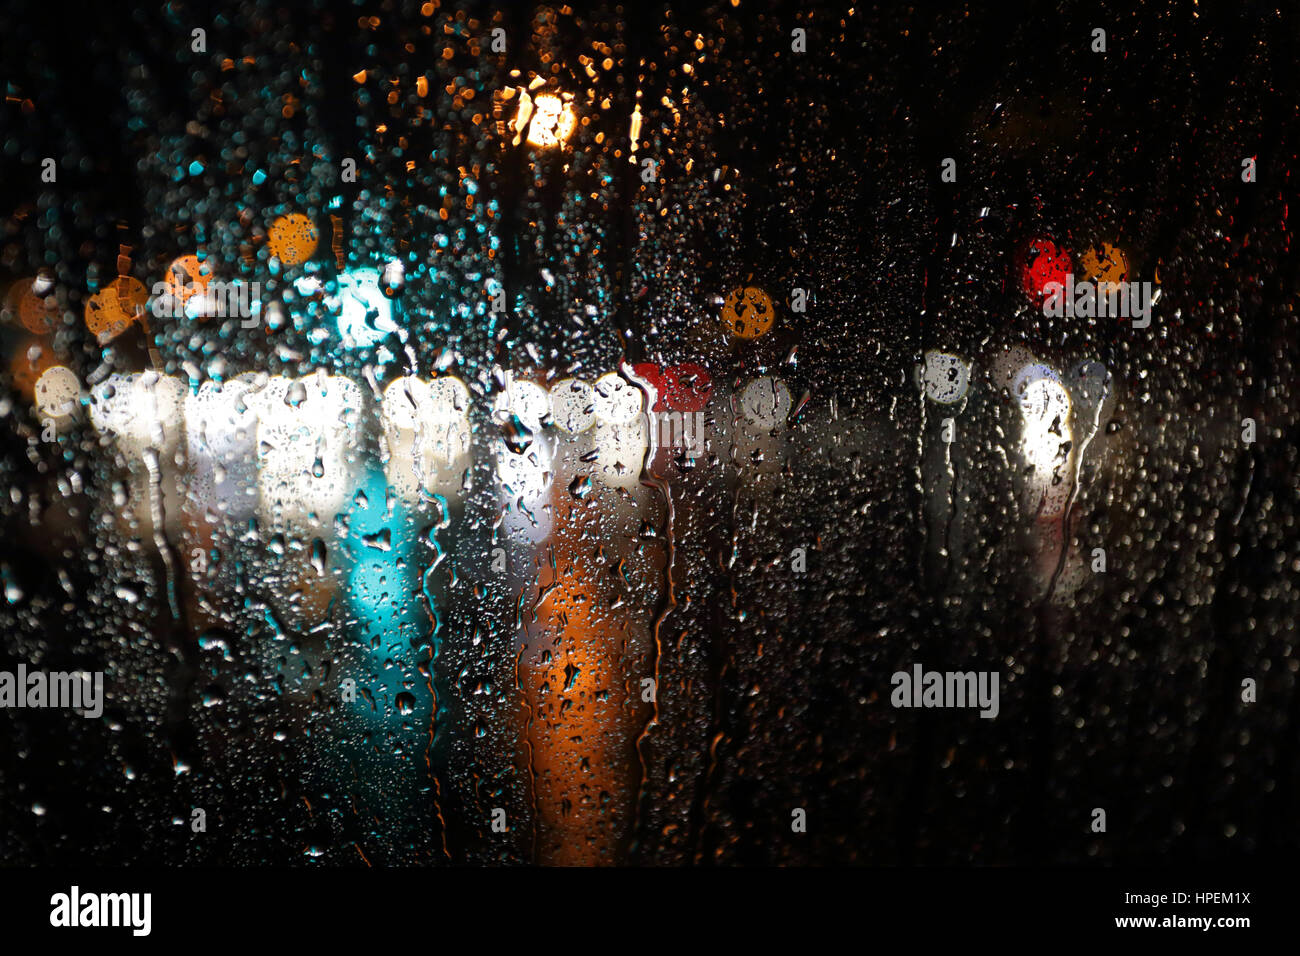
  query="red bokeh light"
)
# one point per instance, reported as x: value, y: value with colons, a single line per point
x: 679, y: 388
x: 1040, y: 263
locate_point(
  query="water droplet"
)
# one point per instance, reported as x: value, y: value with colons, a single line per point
x: 318, y: 555
x: 580, y: 486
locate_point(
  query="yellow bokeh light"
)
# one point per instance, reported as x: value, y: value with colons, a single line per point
x: 748, y: 313
x: 1104, y: 263
x: 292, y: 238
x: 187, y: 277
x: 33, y: 301
x: 552, y: 121
x: 111, y: 310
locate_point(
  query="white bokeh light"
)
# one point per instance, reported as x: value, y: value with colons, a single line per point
x: 58, y: 393
x: 617, y: 401
x: 308, y: 438
x: 766, y: 402
x: 426, y: 426
x: 946, y: 377
x: 221, y: 431
x: 1045, y: 437
x: 573, y: 405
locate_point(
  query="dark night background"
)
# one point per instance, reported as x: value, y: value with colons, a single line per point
x: 1126, y: 697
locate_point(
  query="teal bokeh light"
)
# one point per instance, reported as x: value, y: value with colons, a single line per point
x: 365, y: 313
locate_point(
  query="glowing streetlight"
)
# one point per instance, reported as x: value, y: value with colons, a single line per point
x: 549, y: 119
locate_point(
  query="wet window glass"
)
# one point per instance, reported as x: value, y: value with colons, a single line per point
x: 657, y: 434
